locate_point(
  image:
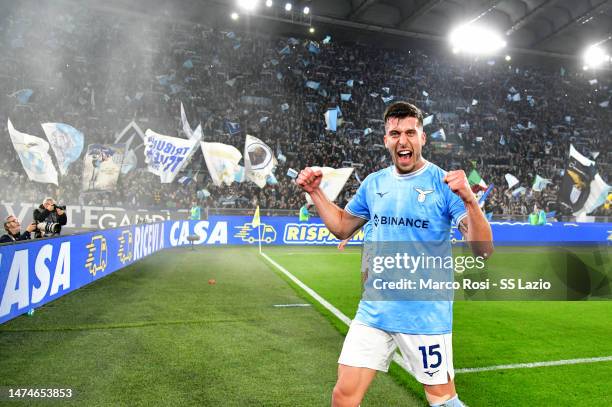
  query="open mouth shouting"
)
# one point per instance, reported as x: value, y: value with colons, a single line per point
x: 404, y: 156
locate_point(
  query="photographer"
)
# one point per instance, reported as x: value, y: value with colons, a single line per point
x: 13, y: 227
x: 49, y: 218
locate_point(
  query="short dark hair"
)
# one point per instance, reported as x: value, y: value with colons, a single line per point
x: 401, y: 110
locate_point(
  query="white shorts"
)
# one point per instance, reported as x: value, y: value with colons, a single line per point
x: 428, y: 357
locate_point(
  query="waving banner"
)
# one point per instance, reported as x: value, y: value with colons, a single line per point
x: 102, y: 166
x: 259, y: 161
x: 332, y: 182
x: 191, y: 134
x: 222, y: 162
x: 166, y: 156
x: 540, y: 183
x: 66, y: 142
x: 34, y: 155
x: 598, y: 192
x: 576, y: 183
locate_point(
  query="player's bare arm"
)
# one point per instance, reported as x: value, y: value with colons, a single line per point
x: 474, y: 226
x: 339, y: 222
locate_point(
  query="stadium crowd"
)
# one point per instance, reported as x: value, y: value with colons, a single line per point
x: 98, y: 71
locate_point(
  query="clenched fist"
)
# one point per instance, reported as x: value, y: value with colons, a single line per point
x: 458, y: 183
x: 309, y: 179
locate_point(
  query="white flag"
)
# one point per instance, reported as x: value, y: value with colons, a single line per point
x: 185, y: 123
x: 511, y: 180
x: 222, y: 162
x: 191, y: 134
x: 259, y: 161
x: 332, y: 182
x: 540, y: 183
x: 166, y: 156
x: 598, y: 192
x: 34, y: 155
x: 197, y: 133
x: 66, y: 142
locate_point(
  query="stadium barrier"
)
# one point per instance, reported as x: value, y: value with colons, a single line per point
x: 90, y: 218
x: 35, y: 272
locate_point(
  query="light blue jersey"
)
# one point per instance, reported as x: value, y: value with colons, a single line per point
x: 415, y: 207
x: 367, y: 232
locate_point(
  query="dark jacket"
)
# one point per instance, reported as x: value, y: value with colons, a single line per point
x: 42, y: 215
x: 8, y: 238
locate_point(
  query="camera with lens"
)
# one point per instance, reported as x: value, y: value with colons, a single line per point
x: 48, y: 227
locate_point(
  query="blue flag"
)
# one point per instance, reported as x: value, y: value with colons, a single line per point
x: 23, y: 95
x: 438, y: 135
x: 387, y: 99
x: 175, y: 88
x: 345, y: 97
x: 66, y: 142
x: 313, y: 47
x: 185, y: 180
x: 484, y: 196
x: 313, y: 85
x: 165, y: 80
x: 331, y: 119
x: 232, y: 128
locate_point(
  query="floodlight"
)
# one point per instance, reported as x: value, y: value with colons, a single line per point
x: 476, y: 39
x: 595, y: 56
x: 306, y: 10
x: 311, y: 30
x: 508, y: 58
x: 248, y: 5
x: 268, y: 3
x: 234, y: 16
x: 288, y: 7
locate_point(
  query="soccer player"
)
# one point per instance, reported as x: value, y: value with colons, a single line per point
x: 417, y: 190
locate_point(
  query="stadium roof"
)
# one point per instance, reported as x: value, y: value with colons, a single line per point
x: 545, y: 27
x: 557, y: 28
x: 560, y: 26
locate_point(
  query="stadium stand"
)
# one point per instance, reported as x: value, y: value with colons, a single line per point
x: 245, y: 78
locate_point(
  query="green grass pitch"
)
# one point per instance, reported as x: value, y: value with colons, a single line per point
x: 492, y: 333
x: 157, y: 333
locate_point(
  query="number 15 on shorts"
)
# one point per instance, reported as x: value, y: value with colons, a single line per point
x: 432, y: 358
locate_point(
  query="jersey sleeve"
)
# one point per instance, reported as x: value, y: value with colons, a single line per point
x: 456, y: 208
x: 358, y: 205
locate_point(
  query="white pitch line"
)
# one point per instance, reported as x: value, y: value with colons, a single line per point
x: 535, y: 364
x: 400, y: 361
x: 310, y: 291
x: 291, y: 305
